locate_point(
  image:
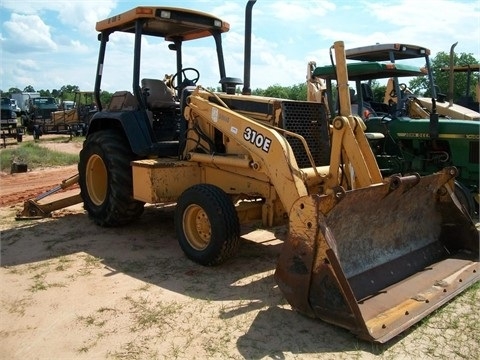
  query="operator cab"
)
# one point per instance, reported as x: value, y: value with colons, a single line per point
x: 362, y: 73
x: 392, y: 53
x: 154, y: 103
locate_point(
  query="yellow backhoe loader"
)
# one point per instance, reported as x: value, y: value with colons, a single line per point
x: 419, y: 107
x: 369, y: 254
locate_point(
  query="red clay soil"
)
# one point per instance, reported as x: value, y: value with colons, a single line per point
x: 18, y: 187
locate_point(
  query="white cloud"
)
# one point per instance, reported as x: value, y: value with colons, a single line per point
x: 27, y: 64
x: 77, y: 15
x: 28, y: 33
x: 435, y: 24
x: 82, y: 15
x: 78, y: 47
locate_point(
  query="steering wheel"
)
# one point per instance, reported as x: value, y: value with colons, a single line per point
x: 403, y: 89
x: 185, y: 77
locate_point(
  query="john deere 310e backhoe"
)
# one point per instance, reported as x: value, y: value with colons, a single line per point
x: 369, y: 254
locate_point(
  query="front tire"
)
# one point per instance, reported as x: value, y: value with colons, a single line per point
x: 105, y: 179
x: 207, y: 225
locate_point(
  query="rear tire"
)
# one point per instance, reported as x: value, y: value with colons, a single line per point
x: 105, y: 179
x: 207, y: 225
x: 466, y: 199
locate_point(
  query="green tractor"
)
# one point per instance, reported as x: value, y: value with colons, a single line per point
x: 403, y: 143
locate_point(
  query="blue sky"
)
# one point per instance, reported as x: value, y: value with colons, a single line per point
x: 49, y: 44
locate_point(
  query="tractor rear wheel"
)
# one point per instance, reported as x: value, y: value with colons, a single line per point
x: 466, y: 199
x: 105, y: 179
x: 207, y: 225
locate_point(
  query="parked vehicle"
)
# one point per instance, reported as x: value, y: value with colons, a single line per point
x: 38, y: 117
x: 8, y: 122
x: 23, y: 100
x: 15, y: 107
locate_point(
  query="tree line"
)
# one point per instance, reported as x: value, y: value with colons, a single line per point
x: 419, y: 85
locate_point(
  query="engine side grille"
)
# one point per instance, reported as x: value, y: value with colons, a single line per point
x: 310, y: 120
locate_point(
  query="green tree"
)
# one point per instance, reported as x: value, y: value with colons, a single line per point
x: 378, y: 90
x: 29, y: 88
x: 419, y: 85
x: 298, y: 92
x: 294, y: 92
x: 45, y: 93
x: 258, y: 92
x: 105, y: 98
x: 69, y: 89
x: 67, y: 92
x: 276, y: 91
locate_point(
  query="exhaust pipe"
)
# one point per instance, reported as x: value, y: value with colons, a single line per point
x: 450, y: 75
x: 248, y: 48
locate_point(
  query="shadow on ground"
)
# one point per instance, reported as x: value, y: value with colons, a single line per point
x: 147, y: 250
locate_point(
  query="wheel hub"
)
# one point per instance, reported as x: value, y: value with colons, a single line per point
x: 197, y: 227
x: 96, y: 179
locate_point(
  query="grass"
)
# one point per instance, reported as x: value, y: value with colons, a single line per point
x: 35, y: 156
x: 64, y: 139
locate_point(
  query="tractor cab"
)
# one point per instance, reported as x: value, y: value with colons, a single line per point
x: 418, y: 136
x: 362, y: 98
x: 155, y: 100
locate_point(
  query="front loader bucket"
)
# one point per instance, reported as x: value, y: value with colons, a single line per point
x: 378, y: 259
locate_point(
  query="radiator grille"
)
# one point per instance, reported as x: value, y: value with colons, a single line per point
x: 310, y: 120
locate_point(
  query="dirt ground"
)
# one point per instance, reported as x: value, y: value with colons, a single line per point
x: 73, y: 290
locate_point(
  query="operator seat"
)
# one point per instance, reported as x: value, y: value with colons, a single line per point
x: 158, y: 95
x: 367, y: 97
x: 353, y: 102
x: 367, y: 92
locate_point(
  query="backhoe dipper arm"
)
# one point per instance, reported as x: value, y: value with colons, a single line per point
x: 268, y: 150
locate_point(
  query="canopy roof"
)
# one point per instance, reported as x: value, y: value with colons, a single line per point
x: 167, y: 22
x: 384, y: 52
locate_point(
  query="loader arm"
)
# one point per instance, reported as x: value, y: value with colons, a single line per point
x: 349, y: 144
x: 267, y: 150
